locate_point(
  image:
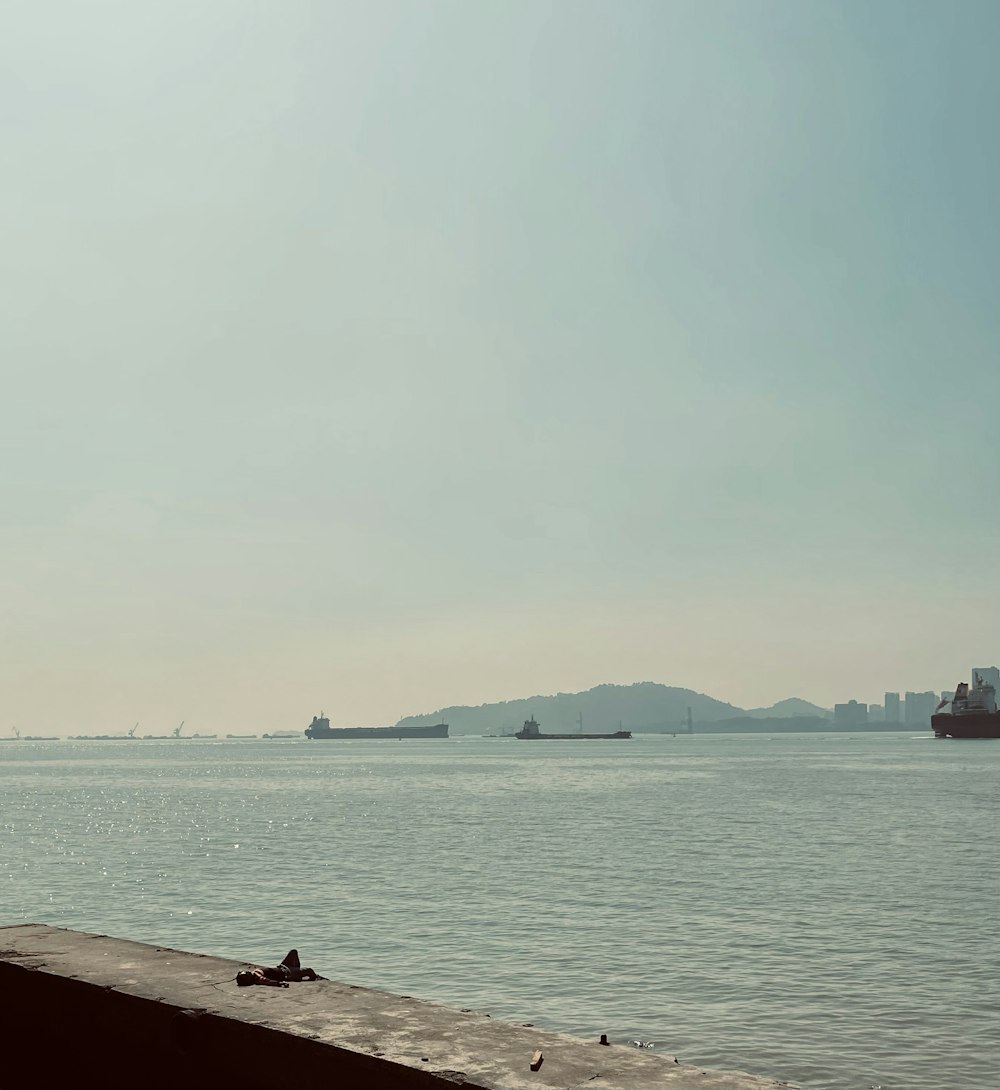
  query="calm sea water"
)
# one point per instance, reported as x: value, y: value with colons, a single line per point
x: 818, y: 908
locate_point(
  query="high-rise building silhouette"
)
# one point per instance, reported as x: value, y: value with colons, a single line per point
x: 892, y: 707
x: 850, y: 714
x: 918, y: 708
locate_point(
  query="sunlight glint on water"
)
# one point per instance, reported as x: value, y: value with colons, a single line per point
x: 816, y: 908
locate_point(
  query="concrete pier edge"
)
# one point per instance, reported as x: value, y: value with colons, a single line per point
x: 84, y: 1010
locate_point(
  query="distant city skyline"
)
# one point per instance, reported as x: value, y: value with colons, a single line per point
x: 913, y: 706
x: 381, y: 357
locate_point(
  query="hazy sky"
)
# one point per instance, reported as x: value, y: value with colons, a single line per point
x: 377, y: 357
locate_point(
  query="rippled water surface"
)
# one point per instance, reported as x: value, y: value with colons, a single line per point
x: 817, y: 908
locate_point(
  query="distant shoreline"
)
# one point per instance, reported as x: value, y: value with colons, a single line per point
x: 779, y: 726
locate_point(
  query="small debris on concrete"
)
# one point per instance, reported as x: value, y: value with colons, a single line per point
x: 536, y: 1060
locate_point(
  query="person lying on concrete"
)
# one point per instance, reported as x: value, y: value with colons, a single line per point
x: 279, y: 976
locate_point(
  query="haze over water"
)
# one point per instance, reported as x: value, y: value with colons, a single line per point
x: 819, y: 908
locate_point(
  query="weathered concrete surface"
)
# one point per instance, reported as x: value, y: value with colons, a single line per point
x: 123, y: 1014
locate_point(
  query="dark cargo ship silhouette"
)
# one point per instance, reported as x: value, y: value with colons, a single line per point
x: 320, y: 728
x: 973, y: 712
x: 530, y: 732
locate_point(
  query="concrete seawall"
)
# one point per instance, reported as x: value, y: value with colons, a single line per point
x: 82, y: 1011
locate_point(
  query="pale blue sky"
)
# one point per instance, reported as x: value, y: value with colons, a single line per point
x: 379, y: 357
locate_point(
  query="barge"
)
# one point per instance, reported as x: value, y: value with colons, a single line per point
x: 530, y: 733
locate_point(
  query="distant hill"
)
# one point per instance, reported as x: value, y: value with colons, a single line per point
x: 793, y: 707
x: 645, y: 706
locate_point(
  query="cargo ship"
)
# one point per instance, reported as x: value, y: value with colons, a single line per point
x: 320, y: 728
x: 973, y: 712
x: 530, y: 732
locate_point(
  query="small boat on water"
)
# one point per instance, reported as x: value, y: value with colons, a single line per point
x: 973, y: 712
x: 530, y: 732
x: 320, y: 728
